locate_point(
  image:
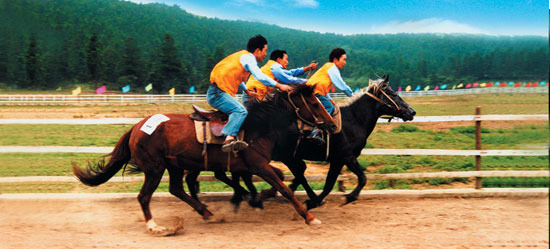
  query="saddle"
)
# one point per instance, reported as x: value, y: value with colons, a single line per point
x: 209, y: 125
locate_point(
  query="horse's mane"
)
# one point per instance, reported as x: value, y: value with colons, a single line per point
x: 274, y: 113
x: 373, y: 84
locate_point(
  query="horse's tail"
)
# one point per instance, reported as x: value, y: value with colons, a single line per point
x: 99, y: 173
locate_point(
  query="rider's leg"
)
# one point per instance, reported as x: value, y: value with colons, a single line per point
x: 237, y: 114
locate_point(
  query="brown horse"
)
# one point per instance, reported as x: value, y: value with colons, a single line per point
x: 173, y: 146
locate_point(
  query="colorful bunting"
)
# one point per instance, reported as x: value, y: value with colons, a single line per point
x: 125, y: 88
x: 192, y: 89
x: 503, y: 84
x: 172, y: 91
x: 77, y: 91
x: 542, y: 83
x: 511, y: 83
x: 399, y: 89
x: 356, y: 90
x: 408, y: 88
x: 417, y: 88
x: 436, y: 87
x: 483, y: 84
x: 535, y: 84
x: 149, y: 87
x: 101, y: 90
x: 427, y: 88
x: 469, y: 85
x: 475, y: 85
x: 490, y: 84
x: 443, y: 87
x: 454, y: 87
x: 460, y: 85
x: 518, y: 84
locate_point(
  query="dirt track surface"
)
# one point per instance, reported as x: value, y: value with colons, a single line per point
x: 374, y: 223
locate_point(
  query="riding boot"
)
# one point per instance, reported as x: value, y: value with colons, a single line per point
x: 316, y: 137
x: 233, y: 145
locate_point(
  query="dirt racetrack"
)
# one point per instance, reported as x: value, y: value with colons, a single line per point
x: 371, y: 223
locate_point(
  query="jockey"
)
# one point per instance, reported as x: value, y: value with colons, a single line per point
x: 228, y: 77
x: 275, y: 68
x: 327, y: 77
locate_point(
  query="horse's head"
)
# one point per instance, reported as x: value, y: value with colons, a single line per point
x: 389, y: 102
x: 309, y: 109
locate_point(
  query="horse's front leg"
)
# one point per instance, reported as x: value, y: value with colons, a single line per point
x: 333, y: 172
x: 298, y: 168
x: 354, y: 166
x: 258, y: 165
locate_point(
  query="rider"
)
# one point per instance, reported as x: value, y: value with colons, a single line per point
x: 275, y: 68
x: 228, y: 77
x: 323, y: 80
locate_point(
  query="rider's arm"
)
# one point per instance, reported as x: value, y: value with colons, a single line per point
x: 248, y: 61
x: 287, y: 76
x: 338, y: 82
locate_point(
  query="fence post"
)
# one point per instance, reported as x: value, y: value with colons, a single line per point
x: 478, y: 145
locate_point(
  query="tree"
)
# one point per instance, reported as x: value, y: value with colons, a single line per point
x: 168, y: 70
x: 32, y: 66
x: 92, y: 57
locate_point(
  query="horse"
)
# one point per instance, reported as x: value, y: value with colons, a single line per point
x: 173, y: 146
x: 359, y: 117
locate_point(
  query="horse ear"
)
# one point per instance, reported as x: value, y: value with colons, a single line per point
x: 387, y: 77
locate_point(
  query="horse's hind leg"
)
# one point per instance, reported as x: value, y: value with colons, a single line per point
x: 176, y: 189
x: 272, y: 192
x: 254, y: 201
x: 152, y: 180
x: 191, y: 180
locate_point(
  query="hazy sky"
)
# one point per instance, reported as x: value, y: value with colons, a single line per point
x: 498, y: 17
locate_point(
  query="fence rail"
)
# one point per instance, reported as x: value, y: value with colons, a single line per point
x: 478, y: 153
x: 392, y: 176
x: 419, y: 119
x: 53, y: 99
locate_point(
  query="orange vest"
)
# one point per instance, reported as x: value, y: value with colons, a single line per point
x: 229, y: 73
x: 320, y: 80
x: 255, y: 84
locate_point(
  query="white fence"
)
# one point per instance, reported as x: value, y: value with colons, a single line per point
x: 477, y: 153
x: 52, y: 99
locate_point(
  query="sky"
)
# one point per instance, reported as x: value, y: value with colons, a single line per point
x: 491, y: 17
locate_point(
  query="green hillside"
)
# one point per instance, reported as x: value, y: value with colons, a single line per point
x: 46, y: 44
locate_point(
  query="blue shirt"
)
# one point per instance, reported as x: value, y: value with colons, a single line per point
x: 336, y: 78
x: 250, y: 64
x: 287, y: 76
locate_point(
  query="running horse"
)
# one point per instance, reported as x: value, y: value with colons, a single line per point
x: 173, y: 146
x: 359, y: 117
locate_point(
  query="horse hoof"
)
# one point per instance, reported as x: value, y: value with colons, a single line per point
x: 315, y: 222
x: 259, y: 210
x: 160, y: 231
x: 214, y: 219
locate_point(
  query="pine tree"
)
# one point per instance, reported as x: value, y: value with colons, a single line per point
x: 92, y: 57
x: 32, y: 66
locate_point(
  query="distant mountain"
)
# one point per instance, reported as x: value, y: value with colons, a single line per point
x: 131, y: 38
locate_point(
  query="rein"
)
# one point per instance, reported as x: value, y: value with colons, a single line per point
x: 297, y: 111
x: 395, y: 106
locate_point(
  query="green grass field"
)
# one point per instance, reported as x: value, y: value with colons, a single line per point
x: 495, y: 135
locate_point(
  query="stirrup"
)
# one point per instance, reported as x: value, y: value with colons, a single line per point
x: 234, y: 145
x: 316, y: 137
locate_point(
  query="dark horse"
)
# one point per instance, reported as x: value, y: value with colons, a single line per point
x: 173, y: 147
x: 359, y: 118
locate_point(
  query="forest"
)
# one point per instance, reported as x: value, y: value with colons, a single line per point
x: 60, y: 44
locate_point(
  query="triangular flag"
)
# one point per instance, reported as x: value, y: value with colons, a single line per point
x: 149, y: 87
x: 77, y: 91
x: 356, y: 90
x: 408, y: 88
x: 454, y: 87
x: 542, y: 83
x: 192, y: 89
x: 417, y: 88
x: 476, y: 85
x: 332, y: 89
x: 469, y: 85
x: 101, y: 90
x: 511, y: 83
x: 517, y: 84
x: 172, y: 91
x: 427, y: 88
x: 490, y: 84
x: 460, y: 85
x: 483, y: 85
x: 58, y: 89
x: 535, y: 84
x: 443, y: 87
x: 125, y: 88
x: 399, y: 89
x: 436, y: 88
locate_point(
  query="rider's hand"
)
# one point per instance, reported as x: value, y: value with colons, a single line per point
x: 311, y: 66
x: 283, y: 87
x: 251, y: 94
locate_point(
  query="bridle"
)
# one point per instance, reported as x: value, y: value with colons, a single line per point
x: 297, y: 109
x: 376, y: 89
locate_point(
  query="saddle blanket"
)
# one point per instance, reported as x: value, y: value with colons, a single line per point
x: 210, y: 137
x: 151, y: 124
